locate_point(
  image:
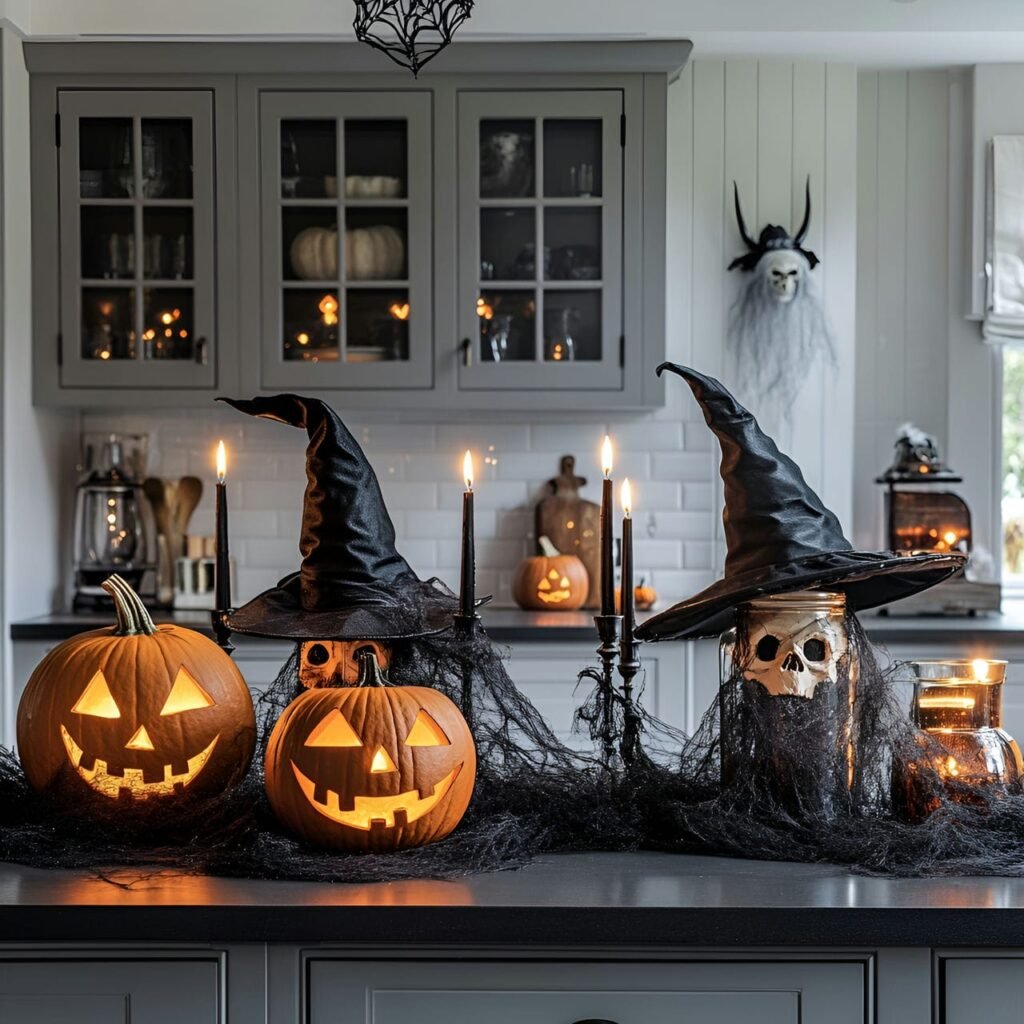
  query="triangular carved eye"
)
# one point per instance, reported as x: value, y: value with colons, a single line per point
x: 425, y: 732
x: 97, y: 699
x: 333, y: 731
x: 186, y: 695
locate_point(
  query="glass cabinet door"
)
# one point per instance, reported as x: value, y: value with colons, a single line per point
x: 346, y: 235
x: 137, y: 239
x: 540, y: 240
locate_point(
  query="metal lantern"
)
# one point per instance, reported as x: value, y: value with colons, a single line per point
x: 410, y: 32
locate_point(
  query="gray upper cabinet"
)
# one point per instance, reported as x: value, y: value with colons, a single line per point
x: 301, y: 217
x: 345, y: 260
x: 540, y: 240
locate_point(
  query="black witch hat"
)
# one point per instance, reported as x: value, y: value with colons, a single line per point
x: 353, y: 584
x: 779, y: 535
x: 773, y: 237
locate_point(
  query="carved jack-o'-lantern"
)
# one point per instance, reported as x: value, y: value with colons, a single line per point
x: 136, y: 712
x: 551, y: 581
x: 372, y: 766
x: 336, y: 662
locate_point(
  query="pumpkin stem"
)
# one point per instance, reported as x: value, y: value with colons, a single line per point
x: 132, y: 617
x: 370, y: 673
x: 547, y: 548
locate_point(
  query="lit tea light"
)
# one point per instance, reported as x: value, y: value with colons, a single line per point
x: 951, y: 701
x: 980, y: 668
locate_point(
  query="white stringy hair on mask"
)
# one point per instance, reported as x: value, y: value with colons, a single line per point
x: 775, y: 344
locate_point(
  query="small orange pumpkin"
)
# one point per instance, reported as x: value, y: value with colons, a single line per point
x: 135, y: 712
x: 372, y: 766
x: 551, y: 581
x: 644, y: 597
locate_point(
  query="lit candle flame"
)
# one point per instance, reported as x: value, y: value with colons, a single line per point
x: 979, y: 667
x: 627, y: 498
x: 467, y: 470
x: 950, y: 537
x: 606, y: 456
x: 222, y: 462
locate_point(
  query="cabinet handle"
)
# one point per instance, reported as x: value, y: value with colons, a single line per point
x: 466, y: 347
x: 594, y: 1020
x: 202, y: 350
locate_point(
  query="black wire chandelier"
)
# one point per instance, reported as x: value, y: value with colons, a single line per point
x: 410, y: 32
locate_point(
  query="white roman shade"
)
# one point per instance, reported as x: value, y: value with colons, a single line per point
x: 1004, y: 308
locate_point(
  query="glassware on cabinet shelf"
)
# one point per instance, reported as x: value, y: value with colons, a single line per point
x: 559, y: 345
x: 166, y: 158
x: 377, y: 325
x: 168, y: 330
x: 572, y: 158
x: 108, y: 323
x: 309, y: 159
x: 507, y: 321
x: 312, y: 325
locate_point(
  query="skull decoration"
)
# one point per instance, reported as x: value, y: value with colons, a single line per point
x: 795, y: 643
x: 784, y: 269
x: 336, y: 662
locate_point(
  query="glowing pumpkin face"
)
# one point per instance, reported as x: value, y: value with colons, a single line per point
x: 136, y: 713
x: 370, y: 767
x: 551, y: 581
x: 336, y: 662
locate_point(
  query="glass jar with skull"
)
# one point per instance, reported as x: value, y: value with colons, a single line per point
x: 789, y: 674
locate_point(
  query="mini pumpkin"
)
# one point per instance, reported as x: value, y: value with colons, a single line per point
x: 370, y: 767
x: 644, y: 597
x: 551, y: 580
x: 135, y: 712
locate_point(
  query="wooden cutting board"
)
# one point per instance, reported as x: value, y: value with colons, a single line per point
x: 572, y: 524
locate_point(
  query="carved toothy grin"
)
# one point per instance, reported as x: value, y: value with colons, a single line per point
x: 554, y: 596
x: 132, y: 780
x: 370, y: 810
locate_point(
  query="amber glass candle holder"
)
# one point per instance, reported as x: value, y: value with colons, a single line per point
x: 960, y: 704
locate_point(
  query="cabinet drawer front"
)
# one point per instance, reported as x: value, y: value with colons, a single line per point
x: 527, y: 993
x: 989, y: 989
x: 90, y: 991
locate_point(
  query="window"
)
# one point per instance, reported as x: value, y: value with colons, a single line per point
x: 1013, y: 466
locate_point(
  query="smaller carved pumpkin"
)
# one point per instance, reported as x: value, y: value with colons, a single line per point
x: 372, y: 766
x: 551, y: 581
x: 135, y: 713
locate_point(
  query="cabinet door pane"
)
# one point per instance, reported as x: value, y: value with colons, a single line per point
x: 168, y: 323
x: 108, y: 242
x: 507, y: 330
x: 375, y: 244
x: 508, y: 244
x: 108, y: 323
x: 377, y: 325
x: 309, y: 159
x: 166, y: 158
x: 572, y: 326
x: 507, y: 163
x: 376, y: 159
x: 106, y: 162
x: 309, y: 237
x: 572, y: 240
x: 572, y: 157
x: 311, y: 325
x: 167, y: 243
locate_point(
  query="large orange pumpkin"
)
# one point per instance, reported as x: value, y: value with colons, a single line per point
x: 135, y: 712
x: 371, y: 766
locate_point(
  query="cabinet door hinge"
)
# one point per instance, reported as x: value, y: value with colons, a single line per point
x: 56, y: 129
x: 622, y: 350
x: 622, y: 130
x: 60, y: 349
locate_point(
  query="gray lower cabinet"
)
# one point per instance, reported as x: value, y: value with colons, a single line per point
x: 84, y: 988
x: 726, y: 992
x: 980, y: 988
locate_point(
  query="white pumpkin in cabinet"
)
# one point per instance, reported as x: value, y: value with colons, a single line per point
x: 314, y: 254
x: 375, y: 253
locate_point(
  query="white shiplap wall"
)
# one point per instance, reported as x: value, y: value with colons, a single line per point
x: 766, y: 124
x: 918, y: 358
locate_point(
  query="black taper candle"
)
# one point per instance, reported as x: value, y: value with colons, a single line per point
x: 467, y: 588
x: 607, y: 533
x: 628, y: 613
x: 222, y: 566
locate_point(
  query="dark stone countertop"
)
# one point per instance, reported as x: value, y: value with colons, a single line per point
x: 510, y: 625
x: 609, y: 899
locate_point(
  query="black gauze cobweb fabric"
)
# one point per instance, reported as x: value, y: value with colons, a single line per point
x: 842, y: 777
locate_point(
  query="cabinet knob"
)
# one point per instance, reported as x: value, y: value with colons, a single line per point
x: 202, y: 351
x: 466, y: 348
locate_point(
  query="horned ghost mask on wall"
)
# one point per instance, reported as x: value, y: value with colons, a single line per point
x: 777, y: 325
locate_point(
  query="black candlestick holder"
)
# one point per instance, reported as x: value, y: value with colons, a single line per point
x: 629, y: 666
x: 221, y: 629
x: 609, y: 628
x: 466, y: 627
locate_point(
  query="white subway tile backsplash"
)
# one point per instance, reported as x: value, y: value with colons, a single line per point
x: 419, y: 467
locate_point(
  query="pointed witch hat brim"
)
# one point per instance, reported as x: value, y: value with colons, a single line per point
x: 353, y: 584
x: 780, y: 536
